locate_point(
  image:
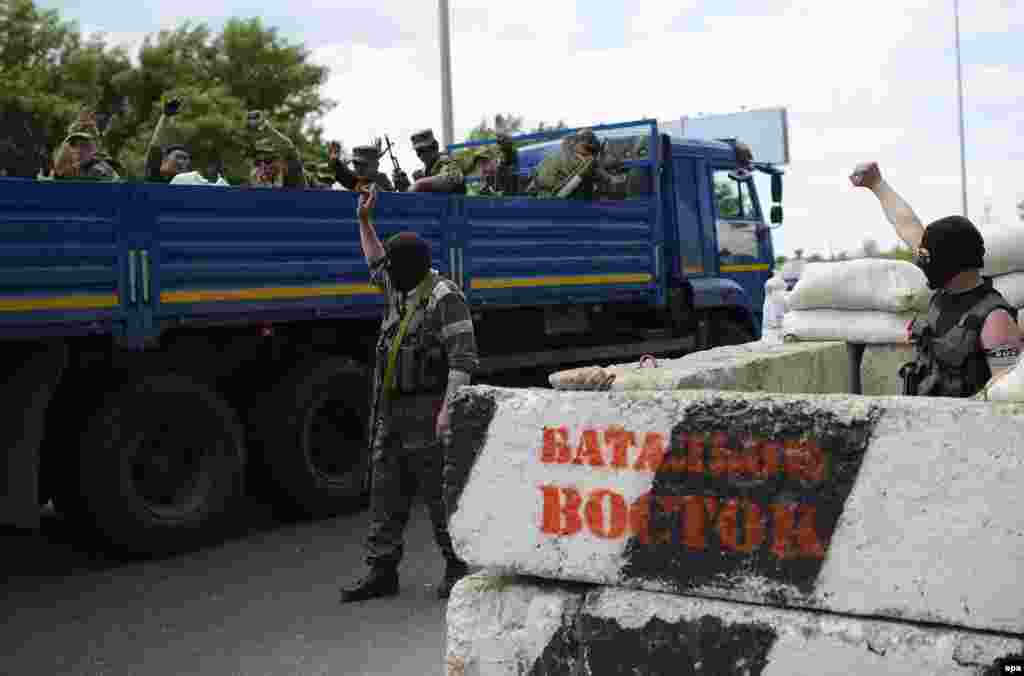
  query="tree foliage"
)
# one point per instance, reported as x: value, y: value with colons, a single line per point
x: 50, y: 71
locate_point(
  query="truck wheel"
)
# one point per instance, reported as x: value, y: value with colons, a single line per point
x: 729, y: 332
x: 161, y: 464
x: 312, y: 441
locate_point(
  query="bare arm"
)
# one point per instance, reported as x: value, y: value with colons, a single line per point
x: 902, y: 217
x: 373, y: 250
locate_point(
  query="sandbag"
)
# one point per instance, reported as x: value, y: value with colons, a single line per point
x: 1012, y: 288
x: 863, y: 284
x: 1008, y: 387
x: 1004, y: 248
x: 853, y: 326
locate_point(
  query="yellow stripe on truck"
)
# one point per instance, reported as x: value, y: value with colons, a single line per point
x: 753, y: 267
x: 266, y: 293
x: 561, y: 280
x: 71, y: 302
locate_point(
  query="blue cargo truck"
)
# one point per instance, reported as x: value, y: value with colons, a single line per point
x: 167, y: 348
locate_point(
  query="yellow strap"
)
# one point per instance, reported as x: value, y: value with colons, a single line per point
x: 421, y: 293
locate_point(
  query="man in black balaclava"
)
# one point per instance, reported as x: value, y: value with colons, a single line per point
x: 970, y: 334
x: 426, y: 351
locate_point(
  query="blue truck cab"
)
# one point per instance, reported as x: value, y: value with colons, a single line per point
x: 168, y: 347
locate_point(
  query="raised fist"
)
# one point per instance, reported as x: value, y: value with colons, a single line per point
x: 866, y: 175
x: 172, y: 107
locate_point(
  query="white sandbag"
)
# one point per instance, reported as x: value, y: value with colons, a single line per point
x: 1004, y: 248
x: 1012, y: 287
x: 854, y: 326
x: 863, y: 284
x: 1008, y: 387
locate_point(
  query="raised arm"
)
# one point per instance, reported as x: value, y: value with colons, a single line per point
x: 373, y: 250
x: 902, y: 217
x: 155, y: 151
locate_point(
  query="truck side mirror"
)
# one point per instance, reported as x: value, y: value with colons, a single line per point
x: 776, y: 214
x: 777, y: 188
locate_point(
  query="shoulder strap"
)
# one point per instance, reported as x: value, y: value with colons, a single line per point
x: 420, y: 297
x: 975, y: 317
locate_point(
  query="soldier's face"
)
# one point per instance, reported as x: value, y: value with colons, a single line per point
x: 180, y: 160
x: 267, y: 169
x: 83, y: 151
x: 428, y: 155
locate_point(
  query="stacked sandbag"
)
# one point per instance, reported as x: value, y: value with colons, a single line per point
x: 869, y: 300
x: 1004, y: 261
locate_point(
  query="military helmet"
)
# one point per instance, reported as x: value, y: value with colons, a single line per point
x: 423, y: 139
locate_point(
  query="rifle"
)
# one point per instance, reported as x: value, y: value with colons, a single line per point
x: 394, y: 160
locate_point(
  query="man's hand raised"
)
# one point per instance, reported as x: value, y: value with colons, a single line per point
x: 367, y: 203
x: 866, y: 175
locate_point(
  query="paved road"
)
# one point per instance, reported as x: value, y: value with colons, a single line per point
x: 263, y: 603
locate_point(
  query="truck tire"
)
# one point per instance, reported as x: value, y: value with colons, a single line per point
x: 311, y: 439
x: 162, y: 462
x: 726, y: 331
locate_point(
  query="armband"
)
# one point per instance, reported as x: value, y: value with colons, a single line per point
x: 1002, y: 357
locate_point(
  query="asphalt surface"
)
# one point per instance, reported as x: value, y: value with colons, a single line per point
x: 265, y: 602
x: 262, y: 603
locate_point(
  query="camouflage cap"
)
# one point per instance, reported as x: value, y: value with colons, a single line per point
x: 77, y: 130
x: 367, y: 154
x: 265, y: 148
x: 423, y: 139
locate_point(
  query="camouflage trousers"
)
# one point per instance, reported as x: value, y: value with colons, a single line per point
x: 407, y: 458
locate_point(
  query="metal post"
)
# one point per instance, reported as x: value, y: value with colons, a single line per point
x: 960, y: 107
x: 447, y: 124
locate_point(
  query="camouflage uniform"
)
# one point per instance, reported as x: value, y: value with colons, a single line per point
x: 406, y: 452
x: 294, y: 175
x: 557, y: 170
x: 100, y: 168
x: 443, y: 165
x: 365, y: 164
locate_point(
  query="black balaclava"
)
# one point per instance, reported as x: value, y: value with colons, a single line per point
x: 953, y: 245
x: 408, y: 260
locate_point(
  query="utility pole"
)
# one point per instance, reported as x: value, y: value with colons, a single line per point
x: 447, y: 124
x: 960, y: 107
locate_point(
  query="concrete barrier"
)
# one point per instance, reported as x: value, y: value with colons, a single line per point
x: 813, y: 368
x: 880, y: 367
x: 506, y: 626
x: 895, y: 507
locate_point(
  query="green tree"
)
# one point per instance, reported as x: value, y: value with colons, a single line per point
x: 49, y: 73
x: 780, y: 261
x: 870, y: 248
x: 799, y: 253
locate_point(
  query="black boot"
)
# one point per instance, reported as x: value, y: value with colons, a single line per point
x: 454, y: 570
x: 381, y: 581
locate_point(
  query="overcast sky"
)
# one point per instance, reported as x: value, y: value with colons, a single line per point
x: 873, y: 79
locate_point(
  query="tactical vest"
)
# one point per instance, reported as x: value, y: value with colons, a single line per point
x: 952, y: 364
x: 422, y: 365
